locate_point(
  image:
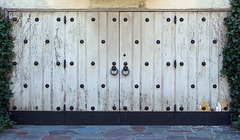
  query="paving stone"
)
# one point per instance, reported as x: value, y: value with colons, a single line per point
x: 62, y: 132
x: 55, y: 137
x: 143, y: 135
x: 179, y: 131
x: 120, y: 138
x: 138, y: 128
x: 117, y: 132
x: 225, y: 130
x: 201, y: 134
x: 175, y: 138
x: 21, y: 133
x: 199, y: 138
x: 38, y: 132
x: 88, y: 130
x: 28, y: 137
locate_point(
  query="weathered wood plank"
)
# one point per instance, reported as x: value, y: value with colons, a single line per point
x: 92, y: 61
x: 192, y: 36
x: 58, y: 49
x: 147, y: 73
x: 203, y: 57
x: 112, y: 48
x: 71, y: 45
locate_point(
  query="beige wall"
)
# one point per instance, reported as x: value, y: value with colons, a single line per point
x: 113, y: 4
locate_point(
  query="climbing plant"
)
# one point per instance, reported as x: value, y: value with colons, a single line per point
x: 6, y: 56
x: 231, y: 59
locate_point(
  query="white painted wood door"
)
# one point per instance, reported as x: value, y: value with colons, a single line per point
x: 118, y: 61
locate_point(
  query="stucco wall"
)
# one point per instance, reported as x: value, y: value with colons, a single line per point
x: 96, y: 4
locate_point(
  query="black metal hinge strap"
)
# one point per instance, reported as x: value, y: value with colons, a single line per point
x: 175, y: 19
x: 175, y: 64
x: 65, y: 19
x: 64, y: 64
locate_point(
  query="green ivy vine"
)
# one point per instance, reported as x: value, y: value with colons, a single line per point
x: 231, y: 59
x: 6, y: 66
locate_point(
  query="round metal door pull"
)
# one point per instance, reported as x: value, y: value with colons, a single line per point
x: 125, y: 72
x: 71, y: 108
x: 82, y: 86
x: 114, y: 70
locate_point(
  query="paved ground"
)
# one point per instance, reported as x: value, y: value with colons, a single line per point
x: 101, y: 132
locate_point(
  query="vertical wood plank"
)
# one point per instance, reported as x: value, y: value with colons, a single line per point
x: 192, y: 35
x: 213, y: 57
x: 58, y: 49
x: 147, y: 74
x: 136, y: 60
x: 158, y: 103
x: 71, y: 60
x: 181, y: 57
x: 168, y: 49
x: 36, y: 64
x: 81, y: 61
x: 223, y: 86
x: 102, y: 57
x: 203, y: 56
x: 126, y: 42
x: 47, y: 62
x: 26, y: 60
x: 16, y: 87
x: 112, y: 48
x: 92, y: 39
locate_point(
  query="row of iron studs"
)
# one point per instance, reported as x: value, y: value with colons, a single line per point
x: 114, y: 19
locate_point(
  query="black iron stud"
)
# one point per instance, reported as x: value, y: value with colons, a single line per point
x: 125, y: 63
x: 58, y: 63
x: 71, y: 19
x: 168, y: 19
x: 203, y: 108
x: 114, y: 63
x: 36, y: 19
x: 136, y: 86
x: 71, y: 63
x: 14, y: 19
x: 181, y: 19
x: 25, y: 85
x: 14, y: 63
x: 136, y: 41
x: 214, y: 86
x: 14, y: 108
x: 203, y: 19
x: 103, y: 41
x: 146, y: 108
x: 158, y: 41
x: 92, y: 108
x: 92, y: 63
x: 192, y: 86
x: 25, y: 41
x: 124, y: 108
x: 203, y: 63
x: 93, y: 19
x: 181, y: 63
x: 147, y: 19
x: 114, y: 107
x: 36, y: 107
x: 181, y: 108
x: 168, y: 63
x: 58, y: 19
x: 47, y: 85
x: 225, y: 19
x: 214, y: 41
x: 225, y: 108
x: 125, y: 19
x: 47, y: 41
x: 114, y: 19
x: 146, y: 63
x: 124, y: 55
x: 103, y: 85
x: 82, y: 86
x: 157, y: 86
x: 58, y: 108
x: 71, y: 108
x: 167, y: 108
x: 81, y: 41
x: 192, y: 41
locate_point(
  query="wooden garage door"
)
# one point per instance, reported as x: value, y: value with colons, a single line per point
x: 111, y: 61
